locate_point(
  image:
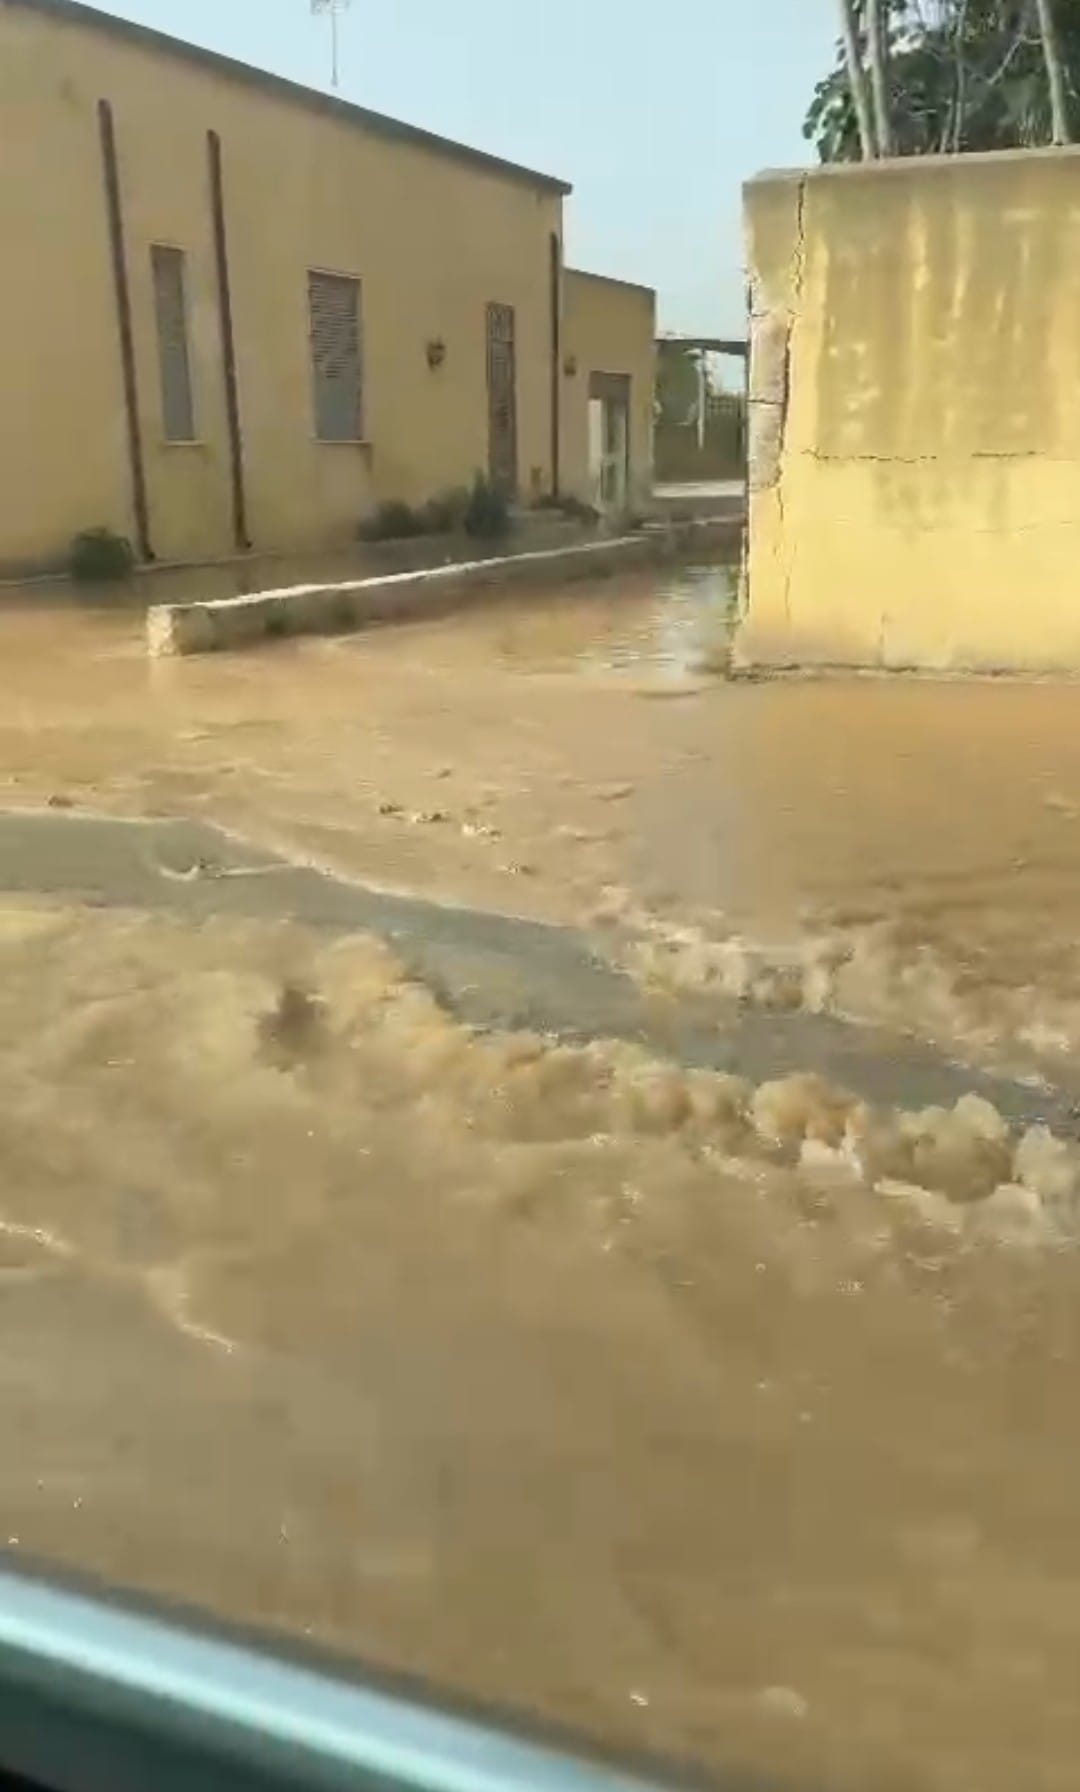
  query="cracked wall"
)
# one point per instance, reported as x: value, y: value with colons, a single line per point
x: 914, y: 442
x: 775, y: 285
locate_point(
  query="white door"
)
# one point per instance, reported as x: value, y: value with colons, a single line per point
x: 616, y: 443
x: 609, y: 438
x: 596, y: 452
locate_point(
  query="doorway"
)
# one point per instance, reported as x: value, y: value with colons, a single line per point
x: 609, y: 441
x: 502, y: 398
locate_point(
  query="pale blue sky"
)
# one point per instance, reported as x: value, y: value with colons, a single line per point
x: 656, y: 113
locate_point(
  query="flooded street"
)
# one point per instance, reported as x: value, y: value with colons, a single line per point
x: 714, y: 1413
x: 902, y: 851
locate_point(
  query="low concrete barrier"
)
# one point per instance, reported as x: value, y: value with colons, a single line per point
x: 340, y: 608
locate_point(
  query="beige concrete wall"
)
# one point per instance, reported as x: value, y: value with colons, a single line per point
x: 915, y: 434
x: 608, y: 327
x: 432, y: 238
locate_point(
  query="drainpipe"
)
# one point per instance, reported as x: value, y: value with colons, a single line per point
x: 555, y: 285
x: 228, y: 344
x: 115, y: 213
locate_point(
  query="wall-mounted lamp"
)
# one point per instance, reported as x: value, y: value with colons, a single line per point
x: 436, y: 352
x: 569, y: 366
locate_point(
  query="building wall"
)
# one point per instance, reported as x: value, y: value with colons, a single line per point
x: 433, y: 240
x: 608, y: 327
x: 914, y: 427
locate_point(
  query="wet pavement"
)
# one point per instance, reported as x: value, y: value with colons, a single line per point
x: 388, y: 1253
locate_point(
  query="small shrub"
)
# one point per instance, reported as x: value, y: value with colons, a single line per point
x: 483, y: 512
x: 446, y: 511
x: 100, y: 556
x: 487, y: 515
x: 566, y: 504
x: 342, y: 613
x: 578, y: 510
x: 392, y: 520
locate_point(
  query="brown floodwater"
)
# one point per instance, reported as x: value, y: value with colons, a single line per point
x: 903, y: 851
x: 730, y: 1421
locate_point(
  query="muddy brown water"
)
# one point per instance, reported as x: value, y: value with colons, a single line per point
x: 563, y: 1374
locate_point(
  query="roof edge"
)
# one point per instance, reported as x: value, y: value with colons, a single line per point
x: 937, y: 164
x: 75, y: 12
x: 610, y: 280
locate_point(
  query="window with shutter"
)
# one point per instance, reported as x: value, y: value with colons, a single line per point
x: 334, y: 310
x: 170, y: 306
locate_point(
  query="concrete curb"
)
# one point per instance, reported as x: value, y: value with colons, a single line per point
x: 228, y: 622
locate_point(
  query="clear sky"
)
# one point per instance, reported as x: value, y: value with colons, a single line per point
x: 655, y: 112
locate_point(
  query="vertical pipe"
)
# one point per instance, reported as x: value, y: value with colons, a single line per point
x: 114, y: 207
x: 749, y: 313
x: 555, y: 276
x: 744, y: 556
x: 228, y: 345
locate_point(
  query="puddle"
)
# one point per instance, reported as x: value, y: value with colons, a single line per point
x: 678, y: 624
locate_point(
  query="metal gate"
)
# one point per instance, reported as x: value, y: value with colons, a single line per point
x: 502, y: 398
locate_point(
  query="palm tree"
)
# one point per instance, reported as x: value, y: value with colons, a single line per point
x: 857, y: 80
x: 961, y: 75
x: 1055, y: 71
x: 878, y: 52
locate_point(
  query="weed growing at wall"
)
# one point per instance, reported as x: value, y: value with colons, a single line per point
x: 487, y: 516
x: 100, y: 556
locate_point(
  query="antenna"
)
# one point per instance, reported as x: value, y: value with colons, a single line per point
x: 333, y: 10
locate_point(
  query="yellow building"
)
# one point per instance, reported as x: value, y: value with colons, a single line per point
x: 609, y: 331
x: 235, y: 312
x: 914, y: 439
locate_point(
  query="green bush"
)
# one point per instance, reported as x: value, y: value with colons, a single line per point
x: 392, y: 520
x: 100, y: 556
x: 446, y: 511
x: 487, y: 515
x: 343, y: 611
x: 566, y: 504
x: 483, y: 512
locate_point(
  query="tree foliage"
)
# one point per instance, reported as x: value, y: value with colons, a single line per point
x: 962, y: 75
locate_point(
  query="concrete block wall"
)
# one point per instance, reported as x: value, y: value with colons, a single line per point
x: 914, y: 439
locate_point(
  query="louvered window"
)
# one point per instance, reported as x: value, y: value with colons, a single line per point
x: 170, y: 306
x: 334, y: 309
